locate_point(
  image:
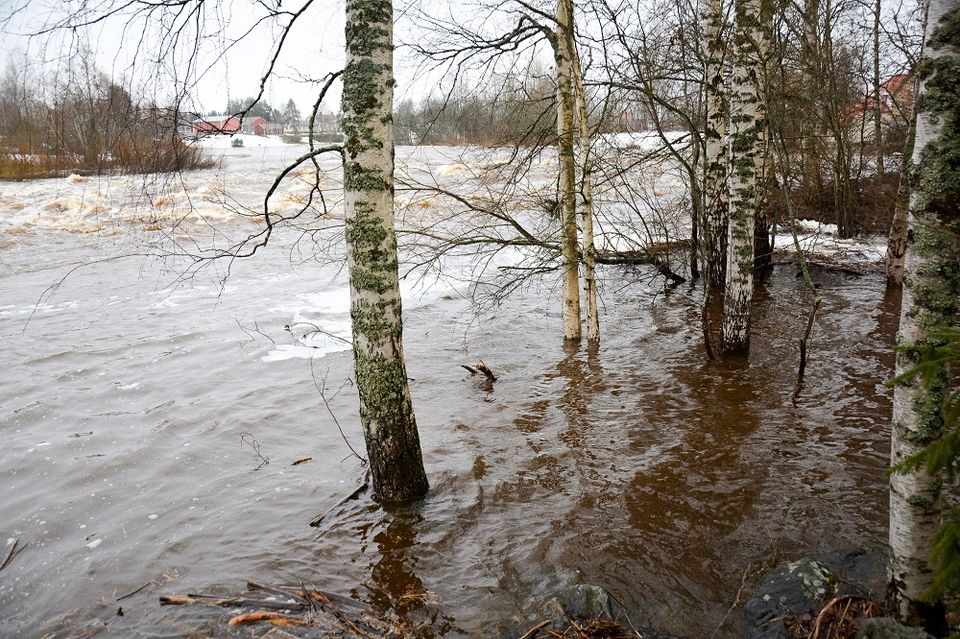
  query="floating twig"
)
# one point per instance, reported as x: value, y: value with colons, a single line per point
x: 251, y: 441
x: 316, y: 521
x: 15, y: 550
x: 133, y: 592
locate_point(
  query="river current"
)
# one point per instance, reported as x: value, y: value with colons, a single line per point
x: 132, y: 401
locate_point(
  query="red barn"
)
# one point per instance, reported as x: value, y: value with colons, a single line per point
x: 261, y: 126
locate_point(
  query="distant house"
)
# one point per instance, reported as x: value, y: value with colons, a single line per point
x: 894, y: 102
x: 215, y: 124
x: 261, y: 126
x: 897, y: 96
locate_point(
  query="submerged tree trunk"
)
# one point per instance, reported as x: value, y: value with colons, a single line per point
x: 386, y: 412
x: 568, y: 190
x: 586, y: 192
x: 930, y: 292
x: 747, y: 122
x: 713, y: 234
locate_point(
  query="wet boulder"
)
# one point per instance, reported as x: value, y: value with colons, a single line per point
x: 591, y: 606
x: 583, y: 601
x: 804, y: 586
x: 888, y: 628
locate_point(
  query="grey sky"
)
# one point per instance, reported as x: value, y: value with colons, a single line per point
x: 223, y: 66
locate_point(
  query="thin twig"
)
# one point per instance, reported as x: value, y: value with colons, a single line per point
x: 13, y: 552
x: 530, y: 634
x: 316, y: 521
x: 823, y: 612
x: 736, y: 601
x: 133, y: 592
x: 326, y: 404
x: 251, y: 441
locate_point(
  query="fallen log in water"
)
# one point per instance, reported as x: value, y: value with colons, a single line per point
x: 650, y: 257
x: 480, y: 367
x: 274, y: 618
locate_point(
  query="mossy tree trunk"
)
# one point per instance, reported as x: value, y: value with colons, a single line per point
x: 931, y: 286
x: 563, y: 56
x: 713, y: 235
x: 386, y: 412
x: 762, y: 241
x: 747, y: 124
x: 897, y: 238
x: 586, y: 192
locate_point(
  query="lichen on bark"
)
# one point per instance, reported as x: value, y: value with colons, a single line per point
x: 931, y: 289
x: 386, y: 410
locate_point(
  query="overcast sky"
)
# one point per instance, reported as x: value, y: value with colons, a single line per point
x: 225, y: 66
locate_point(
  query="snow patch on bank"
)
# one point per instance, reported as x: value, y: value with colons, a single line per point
x: 821, y: 240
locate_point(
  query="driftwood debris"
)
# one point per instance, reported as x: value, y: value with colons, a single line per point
x: 581, y: 629
x: 301, y: 460
x: 830, y: 267
x: 274, y: 618
x: 478, y: 368
x: 297, y: 606
x: 839, y: 618
x: 231, y: 602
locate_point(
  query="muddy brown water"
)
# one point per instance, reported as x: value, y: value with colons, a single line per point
x: 639, y: 466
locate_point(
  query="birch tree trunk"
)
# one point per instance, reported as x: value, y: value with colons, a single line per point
x: 930, y: 292
x: 586, y: 191
x: 897, y: 239
x: 563, y: 56
x: 762, y: 242
x: 877, y: 124
x: 747, y: 123
x: 386, y: 412
x: 716, y: 157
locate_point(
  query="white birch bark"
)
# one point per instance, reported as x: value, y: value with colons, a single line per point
x: 386, y: 411
x: 747, y: 123
x: 931, y: 287
x: 716, y: 157
x: 568, y: 191
x: 586, y: 191
x: 897, y: 237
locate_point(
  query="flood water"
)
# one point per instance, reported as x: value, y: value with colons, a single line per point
x: 639, y: 465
